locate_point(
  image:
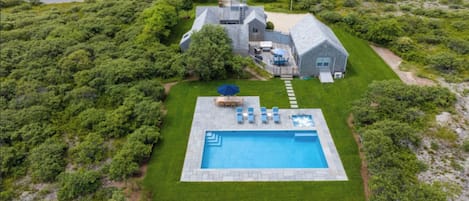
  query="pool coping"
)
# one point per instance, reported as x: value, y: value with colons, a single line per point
x: 225, y: 119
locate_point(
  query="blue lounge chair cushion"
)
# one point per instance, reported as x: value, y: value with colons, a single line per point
x: 239, y: 117
x: 263, y: 110
x: 264, y: 118
x: 239, y: 109
x: 275, y: 110
x: 276, y: 118
x: 251, y: 117
x: 250, y: 110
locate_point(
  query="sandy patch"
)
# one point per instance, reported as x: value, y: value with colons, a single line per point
x: 394, y: 61
x: 282, y: 21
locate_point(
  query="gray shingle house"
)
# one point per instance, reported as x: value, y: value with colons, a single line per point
x: 242, y: 23
x: 314, y: 47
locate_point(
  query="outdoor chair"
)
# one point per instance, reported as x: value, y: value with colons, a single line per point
x: 276, y: 116
x: 239, y: 115
x: 264, y: 115
x: 251, y: 115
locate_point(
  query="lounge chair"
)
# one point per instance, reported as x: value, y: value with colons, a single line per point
x: 239, y: 115
x: 264, y: 115
x: 240, y: 118
x: 251, y: 115
x: 276, y: 116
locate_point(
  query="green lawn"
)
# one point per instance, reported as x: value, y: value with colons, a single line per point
x: 164, y: 170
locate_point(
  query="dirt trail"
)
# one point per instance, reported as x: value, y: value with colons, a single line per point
x: 394, y: 61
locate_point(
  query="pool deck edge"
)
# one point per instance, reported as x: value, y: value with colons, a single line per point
x: 208, y: 116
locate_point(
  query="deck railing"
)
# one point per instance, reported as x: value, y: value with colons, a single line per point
x: 276, y: 70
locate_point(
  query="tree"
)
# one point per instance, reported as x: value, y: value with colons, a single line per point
x: 209, y: 52
x: 158, y: 19
x: 74, y: 185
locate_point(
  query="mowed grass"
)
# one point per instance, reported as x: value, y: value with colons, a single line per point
x: 165, y: 166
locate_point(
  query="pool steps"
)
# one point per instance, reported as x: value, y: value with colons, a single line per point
x: 212, y: 139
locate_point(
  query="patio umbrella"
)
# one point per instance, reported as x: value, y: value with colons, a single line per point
x: 228, y: 89
x: 279, y: 52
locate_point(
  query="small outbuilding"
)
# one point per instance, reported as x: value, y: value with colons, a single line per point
x: 316, y: 49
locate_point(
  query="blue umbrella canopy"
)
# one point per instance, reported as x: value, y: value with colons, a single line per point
x: 228, y: 89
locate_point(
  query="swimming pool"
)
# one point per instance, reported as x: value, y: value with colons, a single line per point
x: 262, y: 149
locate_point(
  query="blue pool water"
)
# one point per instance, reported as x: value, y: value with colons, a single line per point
x: 302, y: 120
x: 263, y: 149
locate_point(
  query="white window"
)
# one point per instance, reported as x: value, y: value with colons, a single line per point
x: 323, y: 62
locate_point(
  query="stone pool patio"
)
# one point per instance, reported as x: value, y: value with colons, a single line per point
x: 208, y: 116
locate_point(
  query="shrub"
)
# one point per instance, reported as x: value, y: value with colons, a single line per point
x: 269, y: 25
x: 331, y: 16
x: 89, y: 151
x: 465, y: 145
x: 404, y: 44
x: 351, y: 3
x: 47, y: 160
x: 9, y: 3
x: 460, y: 25
x: 384, y: 31
x: 444, y: 62
x: 74, y: 185
x: 459, y: 46
x: 389, y: 8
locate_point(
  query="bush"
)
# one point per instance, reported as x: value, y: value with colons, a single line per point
x: 47, y: 160
x: 269, y: 25
x: 331, y: 16
x: 90, y: 150
x: 9, y: 3
x: 445, y: 62
x: 137, y: 148
x: 404, y: 44
x: 384, y: 31
x: 465, y: 145
x: 74, y: 185
x: 351, y: 3
x: 459, y: 46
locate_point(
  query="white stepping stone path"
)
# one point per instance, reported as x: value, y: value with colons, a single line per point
x: 291, y: 94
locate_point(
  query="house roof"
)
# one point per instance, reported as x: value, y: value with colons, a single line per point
x: 255, y: 14
x: 239, y: 33
x: 309, y: 33
x: 206, y: 17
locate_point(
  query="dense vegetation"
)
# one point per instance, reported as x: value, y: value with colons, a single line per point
x: 391, y: 118
x: 78, y: 86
